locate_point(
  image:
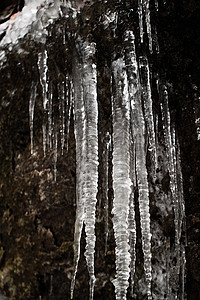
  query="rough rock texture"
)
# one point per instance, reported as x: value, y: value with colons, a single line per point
x: 37, y: 214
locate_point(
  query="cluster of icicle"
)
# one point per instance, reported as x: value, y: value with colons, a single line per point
x: 134, y: 135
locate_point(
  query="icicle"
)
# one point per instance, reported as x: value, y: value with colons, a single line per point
x: 176, y: 187
x: 140, y: 15
x: 79, y: 126
x: 50, y: 103
x: 105, y: 187
x: 43, y: 68
x: 138, y: 131
x: 86, y: 119
x: 143, y: 9
x: 61, y: 91
x: 156, y: 41
x: 148, y: 111
x: 31, y: 112
x: 55, y: 151
x: 121, y: 179
x: 44, y: 135
x: 70, y: 101
x: 91, y: 154
x: 132, y: 239
x: 105, y: 162
x: 171, y: 160
x: 148, y: 23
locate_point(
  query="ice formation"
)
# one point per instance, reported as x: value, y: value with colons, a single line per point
x: 144, y: 15
x: 138, y: 131
x: 86, y: 134
x: 135, y: 136
x: 31, y: 112
x: 121, y: 176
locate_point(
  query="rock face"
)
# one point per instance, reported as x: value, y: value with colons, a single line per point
x: 38, y: 115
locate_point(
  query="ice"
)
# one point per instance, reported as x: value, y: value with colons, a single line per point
x: 148, y: 111
x: 148, y: 23
x: 79, y: 126
x: 176, y: 187
x: 86, y: 119
x: 55, y: 151
x: 105, y: 161
x: 132, y: 239
x: 136, y: 134
x: 169, y: 142
x: 140, y: 15
x: 61, y: 92
x: 70, y: 101
x: 49, y: 113
x: 43, y: 69
x: 31, y: 111
x: 34, y: 19
x: 121, y: 176
x: 144, y: 13
x: 139, y: 133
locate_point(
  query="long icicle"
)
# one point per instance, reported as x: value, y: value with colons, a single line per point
x: 91, y: 153
x: 79, y: 126
x: 138, y: 131
x: 148, y: 111
x: 86, y: 134
x: 43, y: 68
x: 121, y: 177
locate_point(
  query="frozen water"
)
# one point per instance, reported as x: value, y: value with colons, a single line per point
x: 144, y: 15
x: 31, y: 111
x: 148, y: 111
x: 121, y: 176
x: 86, y: 117
x: 139, y: 133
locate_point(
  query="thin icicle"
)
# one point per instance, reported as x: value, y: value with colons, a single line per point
x: 156, y: 41
x: 91, y: 153
x: 70, y: 101
x: 79, y: 126
x: 44, y: 137
x: 148, y: 23
x: 148, y: 111
x: 49, y: 112
x: 138, y: 131
x: 143, y: 9
x: 132, y: 239
x: 171, y: 160
x: 86, y: 119
x: 61, y: 91
x: 31, y: 111
x: 55, y: 152
x: 121, y: 177
x: 105, y: 185
x: 43, y: 68
x: 140, y: 15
